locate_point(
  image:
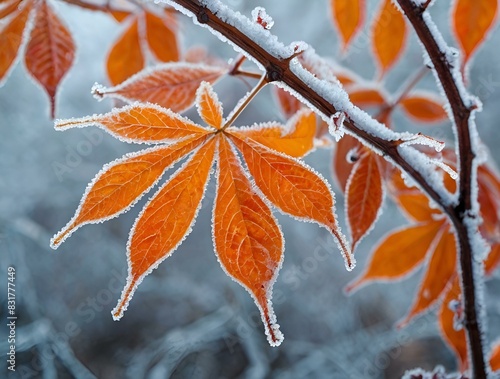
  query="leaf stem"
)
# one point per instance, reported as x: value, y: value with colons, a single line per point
x: 243, y: 104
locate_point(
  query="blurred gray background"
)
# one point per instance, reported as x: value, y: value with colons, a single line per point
x: 188, y: 319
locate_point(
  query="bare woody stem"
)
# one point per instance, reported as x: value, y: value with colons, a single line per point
x: 467, y: 170
x: 278, y: 69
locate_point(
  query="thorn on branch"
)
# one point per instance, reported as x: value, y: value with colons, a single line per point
x: 274, y: 73
x: 203, y: 17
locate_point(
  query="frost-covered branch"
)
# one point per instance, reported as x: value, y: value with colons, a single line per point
x: 284, y: 69
x: 328, y: 99
x: 465, y: 216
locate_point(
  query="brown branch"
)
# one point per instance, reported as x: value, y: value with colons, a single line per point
x: 277, y: 69
x: 467, y: 172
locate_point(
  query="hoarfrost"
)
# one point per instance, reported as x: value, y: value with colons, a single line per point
x: 260, y: 17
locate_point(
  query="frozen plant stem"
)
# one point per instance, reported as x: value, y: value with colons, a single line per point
x: 240, y: 107
x: 465, y: 208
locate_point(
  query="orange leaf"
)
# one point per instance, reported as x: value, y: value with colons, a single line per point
x: 440, y: 271
x: 366, y: 97
x: 493, y: 260
x: 166, y: 220
x: 50, y: 52
x: 247, y: 237
x: 9, y: 8
x: 289, y: 104
x: 364, y: 195
x: 125, y: 57
x: 389, y: 35
x: 423, y: 108
x: 209, y: 106
x: 293, y: 187
x: 495, y: 358
x: 455, y: 339
x: 296, y: 139
x: 162, y: 39
x: 11, y: 39
x: 171, y: 85
x: 411, y: 200
x: 471, y: 22
x: 346, y: 153
x: 138, y: 124
x: 122, y: 183
x: 488, y: 206
x: 399, y: 253
x: 119, y: 15
x: 349, y: 16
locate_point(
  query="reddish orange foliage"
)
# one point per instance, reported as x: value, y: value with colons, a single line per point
x: 471, y: 21
x: 172, y: 85
x: 50, y: 51
x: 349, y: 16
x: 11, y: 38
x: 389, y: 35
x: 125, y: 57
x: 423, y: 108
x: 364, y: 195
x: 247, y: 238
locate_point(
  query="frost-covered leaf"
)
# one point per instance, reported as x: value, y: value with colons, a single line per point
x: 448, y: 320
x: 347, y: 152
x: 161, y: 36
x: 411, y: 200
x: 471, y: 21
x: 209, y: 106
x: 166, y: 220
x: 123, y: 182
x: 438, y: 275
x: 399, y: 253
x: 424, y: 107
x: 294, y: 188
x: 349, y: 16
x: 50, y: 51
x: 247, y: 237
x: 11, y: 39
x: 295, y: 139
x: 171, y: 85
x: 125, y: 57
x: 9, y: 7
x: 389, y: 35
x: 364, y: 196
x: 139, y: 124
